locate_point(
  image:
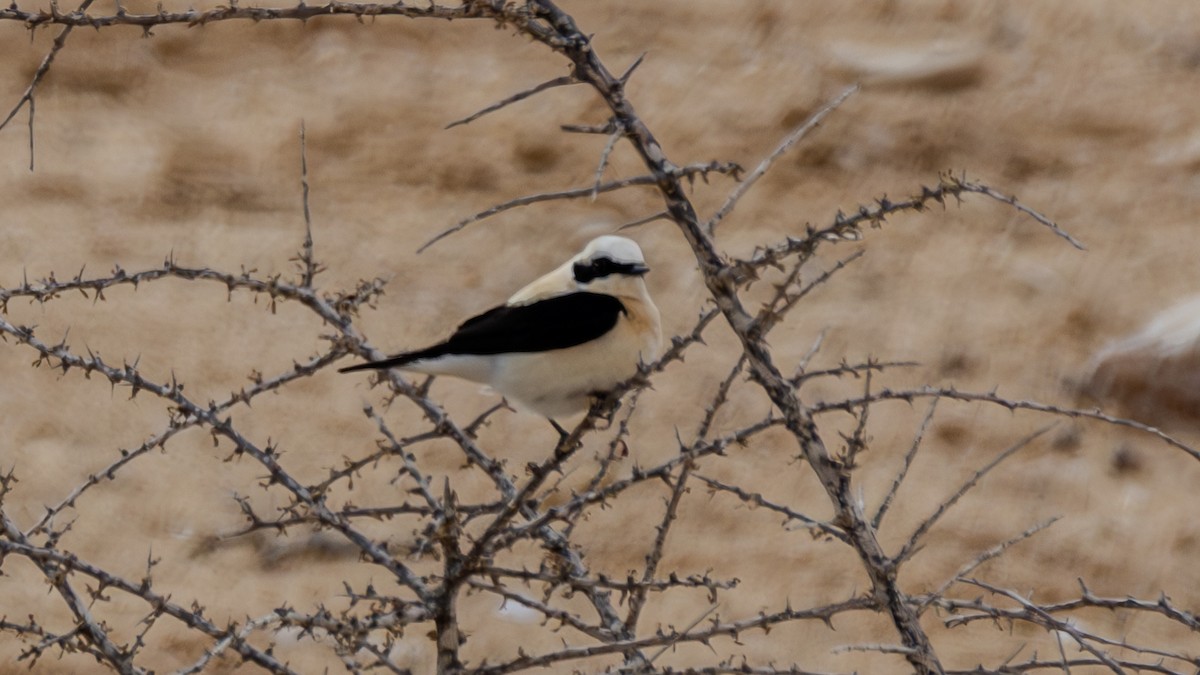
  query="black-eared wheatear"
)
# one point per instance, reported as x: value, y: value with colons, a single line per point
x: 574, y: 333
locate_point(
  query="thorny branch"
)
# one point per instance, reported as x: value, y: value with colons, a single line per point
x: 788, y: 142
x: 558, y: 30
x: 849, y: 227
x: 914, y: 540
x: 519, y: 96
x: 38, y: 75
x: 232, y: 12
x: 689, y: 172
x: 518, y: 540
x: 909, y: 395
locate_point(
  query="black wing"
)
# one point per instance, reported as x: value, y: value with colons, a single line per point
x: 554, y: 323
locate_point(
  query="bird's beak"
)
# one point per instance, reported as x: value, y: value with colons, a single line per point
x: 638, y: 269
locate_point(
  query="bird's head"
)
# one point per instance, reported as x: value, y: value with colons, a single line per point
x: 609, y: 264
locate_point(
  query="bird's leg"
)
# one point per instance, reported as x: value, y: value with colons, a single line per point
x: 602, y: 397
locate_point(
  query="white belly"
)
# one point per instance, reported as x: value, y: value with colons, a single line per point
x: 554, y: 383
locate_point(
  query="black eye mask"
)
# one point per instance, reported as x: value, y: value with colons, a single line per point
x: 587, y: 271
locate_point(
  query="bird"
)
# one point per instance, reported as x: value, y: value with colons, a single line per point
x: 558, y: 342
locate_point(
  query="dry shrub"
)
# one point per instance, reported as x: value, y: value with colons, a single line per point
x: 443, y: 544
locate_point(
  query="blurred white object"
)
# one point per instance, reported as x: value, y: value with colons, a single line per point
x: 1154, y: 374
x: 940, y: 64
x: 516, y: 612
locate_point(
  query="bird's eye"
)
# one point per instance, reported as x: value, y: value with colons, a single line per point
x: 586, y: 272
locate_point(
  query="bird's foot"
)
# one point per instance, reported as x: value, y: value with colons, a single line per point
x: 608, y: 412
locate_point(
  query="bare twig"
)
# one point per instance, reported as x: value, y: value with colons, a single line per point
x: 603, y: 163
x: 580, y: 193
x: 562, y: 616
x: 695, y: 622
x: 519, y: 96
x: 233, y: 12
x: 760, y: 501
x: 802, y: 366
x: 120, y: 659
x: 910, y: 395
x: 911, y: 546
x: 59, y: 564
x: 665, y: 637
x: 661, y: 215
x: 886, y: 502
x: 310, y: 267
x: 784, y: 301
x: 1044, y: 618
x: 208, y: 417
x: 1163, y: 607
x: 160, y: 439
x: 44, y: 67
x: 990, y: 554
x: 624, y: 78
x: 637, y: 598
x: 980, y: 188
x: 784, y: 145
x: 848, y: 227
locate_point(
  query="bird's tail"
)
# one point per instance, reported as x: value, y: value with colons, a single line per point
x: 397, y: 361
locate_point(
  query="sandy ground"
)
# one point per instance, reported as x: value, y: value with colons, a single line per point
x: 186, y: 144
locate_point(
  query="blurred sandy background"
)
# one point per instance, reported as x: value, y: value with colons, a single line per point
x: 187, y: 143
